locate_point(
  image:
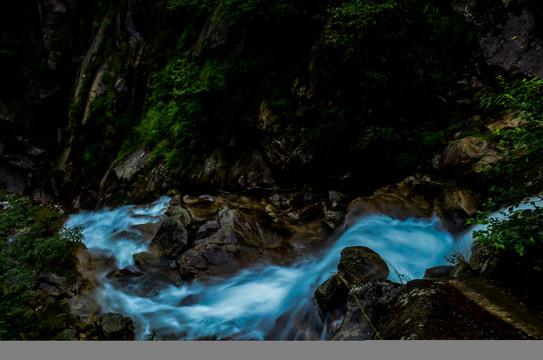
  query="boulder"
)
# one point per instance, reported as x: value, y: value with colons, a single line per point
x: 331, y: 294
x: 458, y: 204
x: 358, y: 265
x: 466, y: 156
x: 397, y: 200
x: 441, y: 271
x: 423, y: 310
x: 113, y: 326
x: 171, y: 238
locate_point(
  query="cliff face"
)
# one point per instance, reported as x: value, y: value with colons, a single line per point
x: 243, y: 97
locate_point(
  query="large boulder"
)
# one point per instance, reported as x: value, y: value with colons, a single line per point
x: 238, y: 237
x: 422, y: 310
x: 358, y: 265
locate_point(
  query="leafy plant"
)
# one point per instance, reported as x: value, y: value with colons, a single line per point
x: 519, y: 231
x: 32, y: 241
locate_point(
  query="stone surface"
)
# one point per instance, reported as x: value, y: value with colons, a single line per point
x: 359, y: 265
x: 513, y: 48
x: 331, y: 294
x: 171, y: 238
x: 467, y: 155
x: 423, y: 310
x: 397, y: 200
x: 112, y: 326
x: 441, y: 271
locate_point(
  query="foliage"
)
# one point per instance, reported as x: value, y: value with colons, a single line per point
x: 516, y: 231
x: 32, y: 241
x: 519, y: 146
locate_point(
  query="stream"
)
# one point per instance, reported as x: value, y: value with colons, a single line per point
x: 262, y: 302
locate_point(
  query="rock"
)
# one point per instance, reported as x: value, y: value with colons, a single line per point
x: 421, y: 309
x: 130, y: 166
x: 123, y: 273
x: 113, y: 326
x: 146, y: 259
x: 56, y: 17
x: 331, y: 294
x: 223, y: 170
x: 336, y: 200
x: 467, y: 156
x: 457, y: 205
x: 359, y: 265
x: 288, y: 150
x: 372, y: 297
x: 13, y: 179
x: 441, y: 271
x: 203, y: 209
x: 171, y: 238
x: 121, y: 175
x: 507, y: 119
x: 514, y: 49
x: 397, y: 200
x: 238, y: 236
x: 332, y: 219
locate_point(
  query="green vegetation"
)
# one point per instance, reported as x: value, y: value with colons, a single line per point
x: 521, y: 149
x: 520, y: 146
x: 32, y: 242
x: 384, y: 61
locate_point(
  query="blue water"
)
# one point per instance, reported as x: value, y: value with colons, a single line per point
x: 262, y: 302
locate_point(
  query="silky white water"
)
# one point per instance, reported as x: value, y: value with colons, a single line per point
x: 265, y: 301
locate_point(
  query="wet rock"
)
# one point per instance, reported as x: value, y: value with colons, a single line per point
x: 123, y: 273
x: 113, y: 326
x: 171, y: 238
x: 146, y: 259
x: 458, y: 204
x: 441, y: 271
x: 397, y: 200
x: 331, y: 294
x: 358, y: 265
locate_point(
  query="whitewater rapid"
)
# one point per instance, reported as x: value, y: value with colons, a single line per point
x: 265, y: 301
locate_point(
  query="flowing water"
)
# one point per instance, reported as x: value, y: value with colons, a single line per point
x: 265, y: 301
